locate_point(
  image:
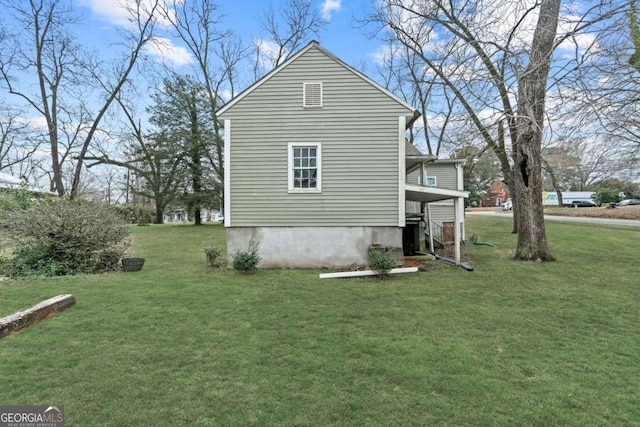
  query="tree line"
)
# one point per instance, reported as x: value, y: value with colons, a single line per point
x: 525, y: 83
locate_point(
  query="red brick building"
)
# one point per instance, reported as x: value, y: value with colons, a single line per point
x: 497, y: 194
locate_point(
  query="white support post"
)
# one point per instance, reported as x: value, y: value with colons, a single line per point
x: 456, y: 228
x: 460, y: 186
x: 430, y: 226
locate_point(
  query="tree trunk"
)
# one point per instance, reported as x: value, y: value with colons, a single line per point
x: 527, y: 170
x: 159, y: 214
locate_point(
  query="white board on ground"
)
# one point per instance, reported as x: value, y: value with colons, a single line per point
x: 367, y: 273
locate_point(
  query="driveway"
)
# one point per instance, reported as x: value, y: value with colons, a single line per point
x: 606, y: 221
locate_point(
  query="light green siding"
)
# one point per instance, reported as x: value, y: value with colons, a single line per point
x: 415, y: 177
x: 442, y: 211
x: 445, y: 174
x: 357, y: 127
x: 446, y: 177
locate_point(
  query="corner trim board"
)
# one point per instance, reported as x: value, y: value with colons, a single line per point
x: 402, y: 177
x: 227, y: 173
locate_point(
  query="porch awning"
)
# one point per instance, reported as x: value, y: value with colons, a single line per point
x: 413, y: 160
x: 422, y: 193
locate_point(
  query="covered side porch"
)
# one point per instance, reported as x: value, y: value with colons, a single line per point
x: 424, y: 195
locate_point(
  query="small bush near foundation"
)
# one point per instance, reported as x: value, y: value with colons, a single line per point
x: 246, y: 261
x: 61, y: 237
x: 381, y: 262
x: 212, y: 255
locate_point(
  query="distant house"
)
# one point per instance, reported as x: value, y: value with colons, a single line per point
x: 9, y: 182
x: 317, y: 168
x: 497, y: 194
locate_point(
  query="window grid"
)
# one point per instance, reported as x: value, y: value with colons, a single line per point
x: 305, y: 169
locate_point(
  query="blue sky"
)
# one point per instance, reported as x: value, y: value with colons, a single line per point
x: 340, y: 35
x: 101, y: 20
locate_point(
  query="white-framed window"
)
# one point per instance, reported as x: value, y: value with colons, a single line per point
x: 431, y: 181
x: 312, y: 95
x: 305, y: 167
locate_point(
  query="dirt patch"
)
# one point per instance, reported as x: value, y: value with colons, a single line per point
x: 621, y: 212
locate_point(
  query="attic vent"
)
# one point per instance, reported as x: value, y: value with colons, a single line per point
x: 312, y: 94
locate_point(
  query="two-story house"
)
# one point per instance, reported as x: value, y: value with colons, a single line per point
x: 316, y: 165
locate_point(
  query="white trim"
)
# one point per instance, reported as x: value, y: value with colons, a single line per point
x: 460, y: 176
x: 227, y: 173
x: 426, y: 181
x: 421, y: 193
x: 304, y: 94
x: 367, y: 79
x: 264, y: 79
x: 402, y: 172
x: 312, y: 44
x: 290, y: 187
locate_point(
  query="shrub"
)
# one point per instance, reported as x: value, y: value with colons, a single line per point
x: 247, y: 261
x: 61, y: 237
x: 141, y: 215
x: 212, y: 255
x: 16, y: 199
x: 381, y: 262
x: 604, y: 196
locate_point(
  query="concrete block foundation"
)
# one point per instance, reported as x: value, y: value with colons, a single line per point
x: 311, y: 247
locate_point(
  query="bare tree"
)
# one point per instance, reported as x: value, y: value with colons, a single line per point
x: 494, y: 58
x: 529, y: 124
x: 17, y: 142
x: 602, y: 98
x: 217, y: 52
x: 287, y: 31
x: 403, y: 72
x: 45, y: 48
x: 153, y: 158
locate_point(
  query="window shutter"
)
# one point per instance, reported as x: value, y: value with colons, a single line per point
x: 312, y: 94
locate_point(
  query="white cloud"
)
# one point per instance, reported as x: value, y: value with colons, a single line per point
x: 581, y: 41
x: 268, y: 53
x: 120, y: 12
x: 330, y: 6
x: 383, y: 54
x: 226, y: 95
x: 38, y: 123
x: 164, y: 50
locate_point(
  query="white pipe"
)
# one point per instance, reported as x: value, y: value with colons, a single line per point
x: 367, y: 273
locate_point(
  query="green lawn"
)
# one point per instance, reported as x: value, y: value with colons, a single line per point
x: 180, y: 344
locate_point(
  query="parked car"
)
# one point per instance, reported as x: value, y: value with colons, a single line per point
x: 629, y: 202
x: 508, y: 205
x: 581, y: 204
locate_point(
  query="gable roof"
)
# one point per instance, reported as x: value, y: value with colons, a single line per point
x: 315, y: 45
